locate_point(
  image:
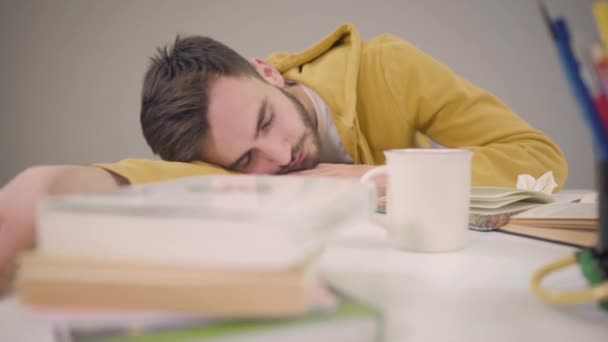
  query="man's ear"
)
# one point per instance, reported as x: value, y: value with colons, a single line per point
x: 268, y: 72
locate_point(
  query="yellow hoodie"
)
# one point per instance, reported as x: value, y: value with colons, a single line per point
x: 383, y: 94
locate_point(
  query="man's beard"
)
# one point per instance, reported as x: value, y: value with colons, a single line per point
x: 310, y: 160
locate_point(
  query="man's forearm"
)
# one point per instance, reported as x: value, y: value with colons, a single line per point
x: 20, y: 197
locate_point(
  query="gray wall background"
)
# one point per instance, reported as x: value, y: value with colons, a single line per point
x: 71, y: 71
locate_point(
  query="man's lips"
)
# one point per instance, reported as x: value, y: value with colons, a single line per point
x: 297, y: 161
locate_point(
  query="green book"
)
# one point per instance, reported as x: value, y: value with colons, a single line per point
x: 350, y: 321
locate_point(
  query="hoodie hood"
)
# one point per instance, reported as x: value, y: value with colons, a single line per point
x: 331, y: 68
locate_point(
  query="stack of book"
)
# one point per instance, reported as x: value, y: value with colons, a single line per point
x: 568, y: 219
x: 572, y: 223
x: 197, y: 259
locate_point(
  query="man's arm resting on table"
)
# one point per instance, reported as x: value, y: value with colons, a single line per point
x: 19, y: 198
x: 351, y: 171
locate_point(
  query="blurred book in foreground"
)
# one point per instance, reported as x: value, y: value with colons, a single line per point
x: 349, y: 321
x: 74, y: 283
x: 210, y: 258
x: 262, y: 222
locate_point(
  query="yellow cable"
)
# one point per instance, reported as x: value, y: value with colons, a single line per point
x: 593, y: 294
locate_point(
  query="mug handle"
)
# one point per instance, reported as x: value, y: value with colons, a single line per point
x: 373, y: 173
x: 380, y: 219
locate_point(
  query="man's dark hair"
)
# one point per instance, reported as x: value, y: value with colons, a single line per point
x: 175, y: 94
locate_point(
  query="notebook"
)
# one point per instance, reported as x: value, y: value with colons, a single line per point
x: 576, y: 215
x: 570, y: 237
x: 570, y: 223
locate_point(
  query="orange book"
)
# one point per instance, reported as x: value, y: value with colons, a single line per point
x: 72, y: 283
x: 571, y: 237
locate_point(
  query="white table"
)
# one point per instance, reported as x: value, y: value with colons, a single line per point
x: 480, y: 293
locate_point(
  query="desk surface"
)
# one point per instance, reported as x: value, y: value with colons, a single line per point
x: 480, y: 293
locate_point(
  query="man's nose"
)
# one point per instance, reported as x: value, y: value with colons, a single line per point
x: 278, y: 153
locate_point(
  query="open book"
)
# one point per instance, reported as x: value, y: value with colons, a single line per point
x: 495, y: 200
x: 492, y: 207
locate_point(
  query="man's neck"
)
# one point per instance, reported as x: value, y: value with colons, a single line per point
x: 299, y: 93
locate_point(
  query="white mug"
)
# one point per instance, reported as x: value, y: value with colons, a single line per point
x: 427, y: 200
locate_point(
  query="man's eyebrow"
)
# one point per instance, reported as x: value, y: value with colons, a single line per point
x: 261, y: 113
x: 258, y: 128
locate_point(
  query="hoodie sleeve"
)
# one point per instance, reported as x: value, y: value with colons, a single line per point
x: 141, y: 171
x: 455, y: 113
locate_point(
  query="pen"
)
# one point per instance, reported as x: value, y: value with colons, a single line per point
x: 558, y: 29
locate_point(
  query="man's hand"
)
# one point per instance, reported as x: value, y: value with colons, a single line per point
x: 20, y: 197
x: 343, y: 171
x: 18, y: 201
